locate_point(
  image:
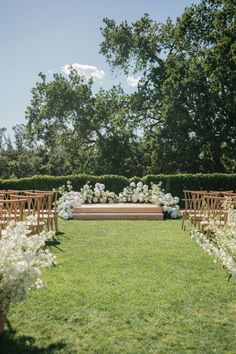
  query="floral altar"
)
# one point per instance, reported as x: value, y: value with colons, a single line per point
x: 134, y: 193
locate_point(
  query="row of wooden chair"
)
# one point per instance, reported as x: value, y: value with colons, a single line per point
x: 202, y: 206
x: 36, y: 208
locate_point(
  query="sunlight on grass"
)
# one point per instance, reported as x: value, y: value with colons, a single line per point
x: 126, y: 287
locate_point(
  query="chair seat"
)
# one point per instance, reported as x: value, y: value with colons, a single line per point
x: 197, y: 215
x: 204, y: 222
x: 29, y: 223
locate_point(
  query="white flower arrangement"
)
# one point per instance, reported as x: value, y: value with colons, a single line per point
x: 68, y: 201
x: 169, y: 205
x: 97, y: 195
x: 220, y: 241
x: 141, y: 193
x: 21, y: 259
x: 134, y: 193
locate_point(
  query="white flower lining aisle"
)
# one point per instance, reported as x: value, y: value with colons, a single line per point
x: 211, y: 219
x: 22, y: 256
x: 27, y: 220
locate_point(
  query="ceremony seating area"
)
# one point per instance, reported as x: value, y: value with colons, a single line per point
x: 36, y: 208
x: 202, y: 206
x: 119, y: 278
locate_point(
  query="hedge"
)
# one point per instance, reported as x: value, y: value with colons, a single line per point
x: 210, y: 182
x: 112, y: 182
x: 171, y: 183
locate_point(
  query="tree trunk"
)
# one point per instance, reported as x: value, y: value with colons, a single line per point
x: 2, y: 322
x: 216, y: 159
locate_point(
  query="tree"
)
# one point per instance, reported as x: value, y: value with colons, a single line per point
x: 17, y: 159
x: 2, y: 138
x: 88, y: 132
x: 186, y: 98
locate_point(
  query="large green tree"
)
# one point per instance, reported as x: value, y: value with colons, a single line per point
x: 18, y: 158
x: 182, y: 118
x: 186, y: 99
x: 93, y: 131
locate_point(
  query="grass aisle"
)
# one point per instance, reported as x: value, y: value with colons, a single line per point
x: 127, y: 287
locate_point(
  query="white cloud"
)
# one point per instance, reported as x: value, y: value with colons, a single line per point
x: 132, y: 81
x: 86, y: 70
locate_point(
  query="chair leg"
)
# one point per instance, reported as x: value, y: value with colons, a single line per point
x: 183, y: 221
x: 48, y: 224
x: 56, y: 223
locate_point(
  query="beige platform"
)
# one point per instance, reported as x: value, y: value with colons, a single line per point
x: 119, y: 211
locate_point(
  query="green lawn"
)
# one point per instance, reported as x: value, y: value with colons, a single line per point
x: 126, y: 287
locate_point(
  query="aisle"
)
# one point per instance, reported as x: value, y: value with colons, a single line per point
x: 127, y: 287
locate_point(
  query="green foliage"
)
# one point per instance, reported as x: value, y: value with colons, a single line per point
x: 186, y: 98
x: 173, y: 184
x: 180, y: 120
x: 93, y: 131
x: 113, y: 183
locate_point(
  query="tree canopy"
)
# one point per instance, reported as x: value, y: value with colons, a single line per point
x: 182, y: 118
x: 188, y: 83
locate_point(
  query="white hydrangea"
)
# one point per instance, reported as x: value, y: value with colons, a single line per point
x: 134, y: 193
x: 21, y: 259
x: 98, y: 194
x: 141, y: 193
x: 168, y: 203
x: 67, y: 202
x: 100, y: 186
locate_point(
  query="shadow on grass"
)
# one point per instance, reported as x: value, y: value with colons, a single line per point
x: 63, y: 234
x: 60, y: 233
x: 54, y: 242
x: 10, y: 343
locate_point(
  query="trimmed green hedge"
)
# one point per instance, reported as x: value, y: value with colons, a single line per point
x: 112, y: 182
x: 171, y: 183
x: 176, y: 183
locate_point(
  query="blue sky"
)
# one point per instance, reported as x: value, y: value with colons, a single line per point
x: 46, y: 35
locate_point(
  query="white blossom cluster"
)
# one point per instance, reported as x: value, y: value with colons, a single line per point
x: 21, y: 259
x: 220, y: 241
x: 97, y: 195
x: 134, y: 193
x: 68, y: 201
x: 170, y: 205
x: 141, y: 193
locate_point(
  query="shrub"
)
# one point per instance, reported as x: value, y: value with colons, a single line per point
x: 113, y: 183
x: 173, y: 184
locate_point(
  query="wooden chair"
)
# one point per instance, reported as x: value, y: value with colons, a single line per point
x: 193, y: 206
x: 188, y: 207
x: 216, y: 211
x: 50, y: 204
x: 11, y: 210
x: 7, y: 193
x: 199, y: 207
x: 34, y: 210
x: 221, y: 193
